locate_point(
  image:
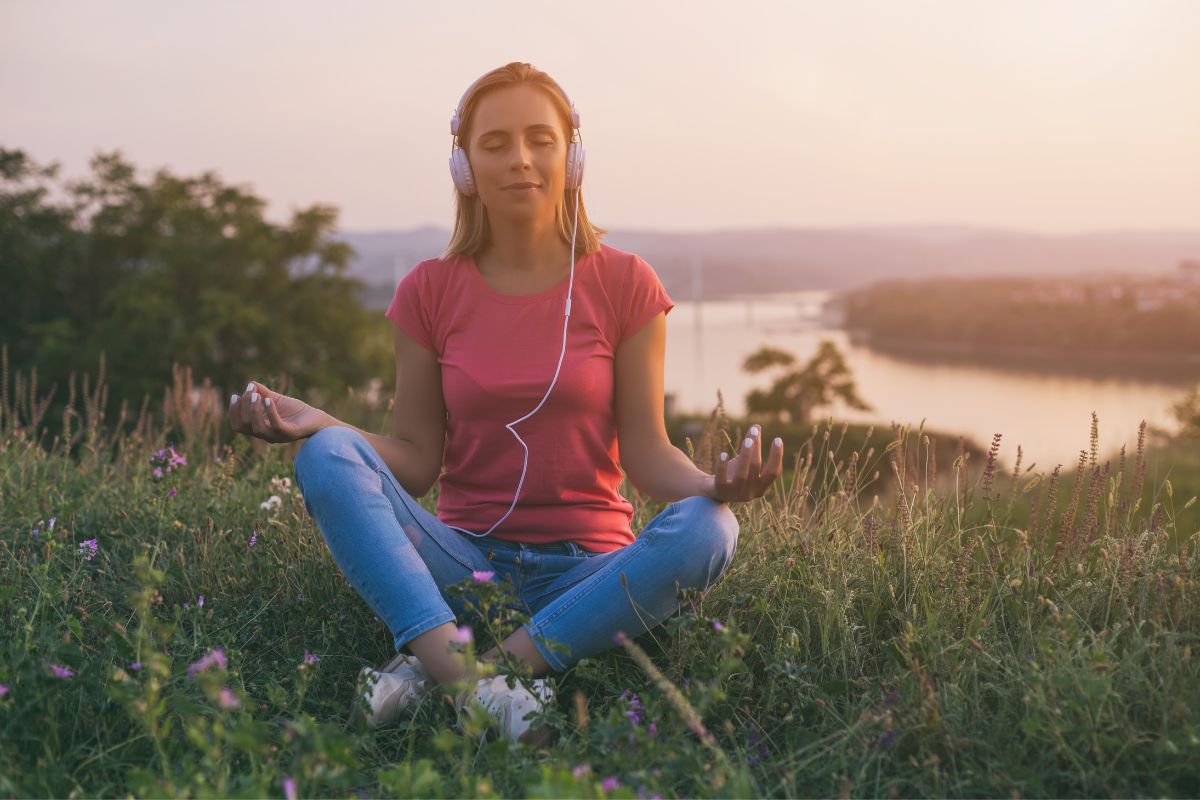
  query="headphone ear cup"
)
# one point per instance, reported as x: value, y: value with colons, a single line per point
x: 576, y: 157
x: 460, y: 171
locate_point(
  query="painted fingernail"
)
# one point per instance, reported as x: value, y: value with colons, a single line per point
x: 233, y: 398
x: 724, y: 456
x: 778, y: 442
x: 267, y: 402
x: 754, y: 430
x: 254, y: 397
x: 748, y: 441
x: 249, y: 386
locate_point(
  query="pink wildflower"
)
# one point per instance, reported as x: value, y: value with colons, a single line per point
x: 60, y: 672
x: 90, y: 546
x: 289, y: 788
x: 309, y: 658
x: 214, y: 658
x: 483, y: 576
x: 463, y: 635
x: 717, y: 626
x: 229, y: 700
x: 3, y: 690
x: 173, y: 492
x: 254, y: 539
x: 200, y: 601
x: 158, y: 473
x: 581, y: 770
x: 610, y: 783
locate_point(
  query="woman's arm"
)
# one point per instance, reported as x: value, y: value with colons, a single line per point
x: 402, y: 456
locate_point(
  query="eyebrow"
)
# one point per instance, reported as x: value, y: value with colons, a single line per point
x: 539, y: 126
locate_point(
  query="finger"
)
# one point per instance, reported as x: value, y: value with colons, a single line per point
x: 235, y: 413
x: 774, y: 466
x: 755, y: 452
x: 722, y: 476
x: 743, y: 472
x: 271, y: 411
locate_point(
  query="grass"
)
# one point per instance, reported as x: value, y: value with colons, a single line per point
x: 872, y: 641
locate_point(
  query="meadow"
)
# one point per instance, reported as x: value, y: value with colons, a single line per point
x: 172, y: 624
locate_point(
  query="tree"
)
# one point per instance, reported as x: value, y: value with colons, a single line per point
x: 176, y: 270
x: 797, y: 393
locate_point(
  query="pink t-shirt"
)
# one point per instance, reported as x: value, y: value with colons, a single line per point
x: 498, y: 353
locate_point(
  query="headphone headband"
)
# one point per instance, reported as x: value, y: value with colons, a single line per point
x: 455, y: 120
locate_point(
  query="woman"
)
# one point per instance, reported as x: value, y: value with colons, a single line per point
x: 479, y: 350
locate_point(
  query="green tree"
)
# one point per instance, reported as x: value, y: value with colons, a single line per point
x: 176, y: 270
x: 797, y: 393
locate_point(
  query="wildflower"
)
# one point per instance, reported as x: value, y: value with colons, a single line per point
x: 610, y: 783
x: 717, y: 626
x: 158, y: 473
x: 36, y: 530
x: 173, y: 492
x: 50, y: 527
x: 463, y: 635
x: 482, y: 576
x: 3, y: 690
x: 282, y: 485
x: 176, y: 459
x: 60, y: 672
x: 214, y: 657
x: 229, y: 700
x: 200, y: 602
x: 652, y: 729
x: 253, y: 537
x: 581, y: 770
x: 887, y: 740
x: 186, y: 606
x: 309, y: 658
x: 135, y: 665
x: 270, y: 503
x: 90, y: 546
x: 289, y: 788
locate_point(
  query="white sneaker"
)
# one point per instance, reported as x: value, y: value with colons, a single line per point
x: 392, y: 691
x: 513, y: 708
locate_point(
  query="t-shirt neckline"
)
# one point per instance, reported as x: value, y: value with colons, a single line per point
x: 520, y: 299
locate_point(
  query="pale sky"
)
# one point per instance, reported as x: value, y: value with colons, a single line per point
x: 1047, y: 115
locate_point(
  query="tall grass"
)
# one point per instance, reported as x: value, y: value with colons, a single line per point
x: 920, y: 637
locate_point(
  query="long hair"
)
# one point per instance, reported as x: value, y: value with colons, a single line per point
x: 472, y: 232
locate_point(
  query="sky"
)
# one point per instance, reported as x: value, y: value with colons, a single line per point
x: 1055, y: 116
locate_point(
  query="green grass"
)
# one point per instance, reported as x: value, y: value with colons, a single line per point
x: 937, y: 646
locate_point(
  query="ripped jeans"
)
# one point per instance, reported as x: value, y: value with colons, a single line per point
x: 399, y: 557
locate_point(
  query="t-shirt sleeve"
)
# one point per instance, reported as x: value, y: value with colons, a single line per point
x: 410, y: 307
x: 644, y: 297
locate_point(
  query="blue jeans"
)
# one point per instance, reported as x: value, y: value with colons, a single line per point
x: 400, y: 557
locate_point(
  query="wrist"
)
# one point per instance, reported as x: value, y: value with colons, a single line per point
x: 708, y: 486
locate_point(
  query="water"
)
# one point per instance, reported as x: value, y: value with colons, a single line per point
x: 1048, y: 415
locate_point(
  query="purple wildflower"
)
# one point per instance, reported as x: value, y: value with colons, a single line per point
x: 214, y: 657
x: 888, y: 740
x: 289, y: 788
x: 254, y: 537
x: 36, y: 531
x: 3, y: 690
x: 50, y: 527
x: 176, y: 459
x: 172, y: 492
x: 135, y: 665
x: 610, y: 783
x: 229, y: 700
x: 90, y: 546
x: 158, y: 473
x: 60, y: 672
x: 483, y: 576
x: 309, y: 658
x: 200, y: 601
x: 652, y: 729
x: 186, y: 606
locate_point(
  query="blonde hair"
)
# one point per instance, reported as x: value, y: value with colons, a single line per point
x: 472, y: 232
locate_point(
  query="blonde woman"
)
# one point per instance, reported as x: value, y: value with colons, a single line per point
x: 529, y: 365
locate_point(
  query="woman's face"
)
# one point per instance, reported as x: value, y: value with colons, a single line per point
x: 517, y: 137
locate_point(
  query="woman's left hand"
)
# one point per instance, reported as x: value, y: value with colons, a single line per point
x: 744, y: 477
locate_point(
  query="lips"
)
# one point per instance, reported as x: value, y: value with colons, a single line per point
x: 525, y: 185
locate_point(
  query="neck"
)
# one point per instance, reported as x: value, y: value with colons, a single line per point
x: 526, y: 248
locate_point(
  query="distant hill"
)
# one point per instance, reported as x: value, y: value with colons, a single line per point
x: 756, y: 261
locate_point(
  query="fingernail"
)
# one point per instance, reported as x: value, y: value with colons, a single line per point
x: 249, y: 386
x: 778, y: 442
x: 724, y: 456
x: 267, y: 402
x: 233, y: 398
x: 254, y: 397
x: 748, y: 441
x: 754, y: 430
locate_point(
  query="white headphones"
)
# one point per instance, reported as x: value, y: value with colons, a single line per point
x: 460, y: 171
x: 460, y: 166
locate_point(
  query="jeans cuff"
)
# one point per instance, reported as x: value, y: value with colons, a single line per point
x: 413, y: 631
x: 553, y: 659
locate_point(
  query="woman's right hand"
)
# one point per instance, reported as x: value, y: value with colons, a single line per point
x: 273, y: 417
